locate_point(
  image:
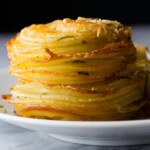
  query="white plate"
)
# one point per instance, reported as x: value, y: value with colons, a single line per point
x: 148, y: 55
x: 91, y: 133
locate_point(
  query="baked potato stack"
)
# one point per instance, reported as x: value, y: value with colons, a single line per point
x: 82, y: 69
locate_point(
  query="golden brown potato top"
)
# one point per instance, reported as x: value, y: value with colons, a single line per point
x: 67, y: 37
x: 97, y: 28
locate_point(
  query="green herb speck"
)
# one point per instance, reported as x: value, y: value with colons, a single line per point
x: 65, y: 37
x: 84, y: 42
x: 83, y: 73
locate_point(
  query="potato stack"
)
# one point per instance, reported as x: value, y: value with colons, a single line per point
x: 82, y: 69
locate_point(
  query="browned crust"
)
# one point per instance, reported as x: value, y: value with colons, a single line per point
x: 111, y: 48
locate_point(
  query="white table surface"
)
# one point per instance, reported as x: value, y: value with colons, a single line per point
x: 16, y: 138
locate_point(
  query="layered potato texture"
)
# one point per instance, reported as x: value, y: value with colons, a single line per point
x: 84, y: 70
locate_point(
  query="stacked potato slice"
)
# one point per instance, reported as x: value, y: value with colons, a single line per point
x: 82, y: 69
